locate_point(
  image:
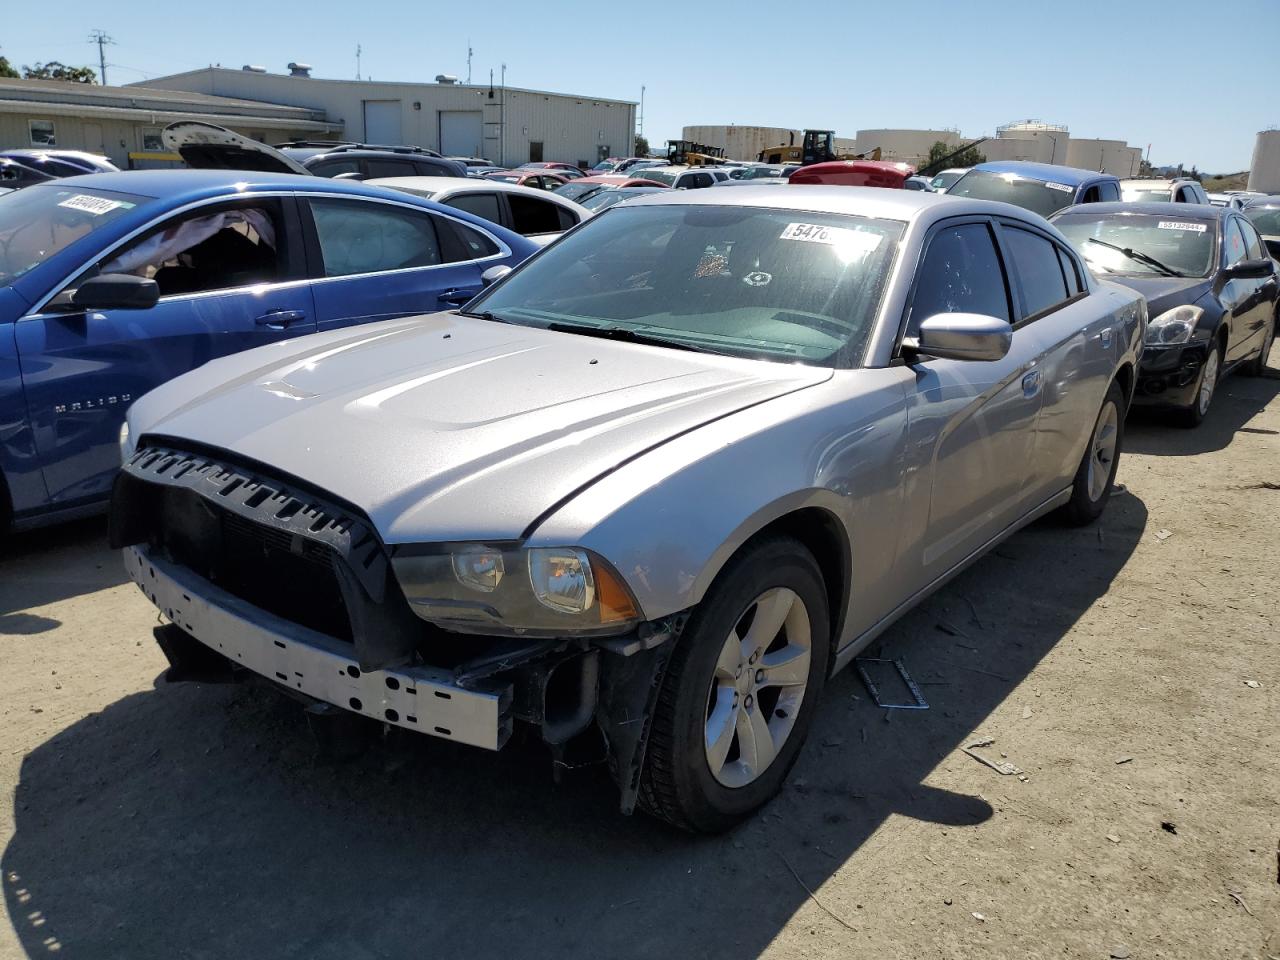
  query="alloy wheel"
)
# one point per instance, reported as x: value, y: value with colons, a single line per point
x: 1209, y: 380
x: 758, y: 685
x: 1102, y: 453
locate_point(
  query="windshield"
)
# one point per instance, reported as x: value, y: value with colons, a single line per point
x: 38, y: 222
x: 1142, y: 245
x: 1162, y: 194
x: 576, y: 191
x: 1039, y: 196
x: 607, y: 198
x: 944, y: 180
x: 772, y: 284
x: 414, y: 191
x: 1266, y: 219
x: 763, y: 173
x: 657, y: 176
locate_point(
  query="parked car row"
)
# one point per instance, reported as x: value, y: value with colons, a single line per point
x: 390, y: 447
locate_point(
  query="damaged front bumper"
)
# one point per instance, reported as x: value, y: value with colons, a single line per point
x: 414, y: 697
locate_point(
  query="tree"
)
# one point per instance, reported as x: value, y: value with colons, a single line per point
x: 642, y: 146
x: 6, y: 69
x: 53, y: 70
x: 969, y: 157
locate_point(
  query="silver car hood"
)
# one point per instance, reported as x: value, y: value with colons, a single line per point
x: 447, y: 427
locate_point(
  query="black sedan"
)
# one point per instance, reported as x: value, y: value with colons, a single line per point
x: 1211, y: 292
x: 1264, y: 214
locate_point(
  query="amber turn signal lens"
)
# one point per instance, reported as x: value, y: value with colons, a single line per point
x: 612, y: 598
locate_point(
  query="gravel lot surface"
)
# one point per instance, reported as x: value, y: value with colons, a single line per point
x: 1130, y: 670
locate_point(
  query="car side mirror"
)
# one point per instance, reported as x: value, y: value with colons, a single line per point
x: 962, y: 336
x: 116, y: 291
x: 1250, y: 269
x: 494, y: 274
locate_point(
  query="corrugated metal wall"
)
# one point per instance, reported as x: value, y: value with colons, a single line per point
x: 570, y: 128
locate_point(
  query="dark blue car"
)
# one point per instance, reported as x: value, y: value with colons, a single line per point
x: 113, y: 283
x: 1041, y: 187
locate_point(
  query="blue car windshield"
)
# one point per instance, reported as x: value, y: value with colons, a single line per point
x: 40, y: 221
x: 782, y: 285
x: 1039, y: 196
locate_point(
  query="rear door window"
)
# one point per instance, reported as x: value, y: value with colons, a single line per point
x: 459, y: 242
x: 358, y: 236
x: 1038, y: 268
x: 483, y: 205
x: 961, y: 273
x: 531, y: 216
x: 1234, y: 248
x: 332, y: 168
x: 1252, y: 242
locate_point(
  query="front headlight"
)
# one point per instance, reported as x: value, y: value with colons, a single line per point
x: 128, y: 445
x: 1174, y: 326
x: 511, y: 589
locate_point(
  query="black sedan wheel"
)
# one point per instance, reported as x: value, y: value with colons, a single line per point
x: 1206, y: 387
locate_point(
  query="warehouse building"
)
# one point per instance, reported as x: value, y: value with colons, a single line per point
x: 124, y: 123
x: 506, y: 125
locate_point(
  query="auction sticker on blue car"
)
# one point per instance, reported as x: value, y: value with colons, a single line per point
x: 1059, y: 186
x: 95, y: 205
x: 1182, y: 225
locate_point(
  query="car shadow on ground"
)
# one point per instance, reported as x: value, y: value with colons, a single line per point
x: 50, y: 564
x: 195, y: 820
x: 1239, y: 399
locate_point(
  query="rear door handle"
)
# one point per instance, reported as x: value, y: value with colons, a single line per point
x: 279, y: 319
x: 457, y: 298
x: 1031, y: 384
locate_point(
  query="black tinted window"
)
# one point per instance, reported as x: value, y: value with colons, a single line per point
x: 1074, y: 283
x: 390, y: 168
x: 1233, y: 245
x: 359, y: 237
x: 1039, y: 270
x: 530, y: 215
x: 1251, y: 240
x: 331, y: 168
x: 1109, y: 191
x: 567, y: 219
x: 483, y: 205
x: 961, y: 273
x: 459, y: 242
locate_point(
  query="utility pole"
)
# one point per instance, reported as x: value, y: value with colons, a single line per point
x: 502, y: 116
x: 358, y: 51
x: 640, y: 119
x: 469, y: 52
x: 101, y: 39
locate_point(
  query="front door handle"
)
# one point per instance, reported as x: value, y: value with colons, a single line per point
x: 456, y: 298
x: 1106, y: 337
x: 1031, y: 384
x: 280, y: 319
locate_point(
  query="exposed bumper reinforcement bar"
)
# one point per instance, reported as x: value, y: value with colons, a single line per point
x: 415, y: 698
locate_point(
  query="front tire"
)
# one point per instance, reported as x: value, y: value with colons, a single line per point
x: 1096, y: 475
x: 739, y: 694
x: 1206, y: 388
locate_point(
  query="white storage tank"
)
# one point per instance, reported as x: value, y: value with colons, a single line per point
x: 908, y: 146
x: 1106, y: 156
x: 1264, y: 171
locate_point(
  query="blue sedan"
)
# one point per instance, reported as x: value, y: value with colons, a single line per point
x: 113, y: 283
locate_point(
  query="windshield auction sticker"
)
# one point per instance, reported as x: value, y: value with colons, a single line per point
x: 1182, y: 225
x: 833, y: 236
x: 95, y: 205
x: 1058, y: 186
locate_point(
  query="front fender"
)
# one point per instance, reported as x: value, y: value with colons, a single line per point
x: 671, y: 519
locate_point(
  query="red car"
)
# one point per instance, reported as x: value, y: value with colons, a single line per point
x: 538, y: 179
x: 856, y: 173
x: 566, y: 170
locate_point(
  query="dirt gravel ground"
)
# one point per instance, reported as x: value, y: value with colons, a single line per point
x: 141, y: 820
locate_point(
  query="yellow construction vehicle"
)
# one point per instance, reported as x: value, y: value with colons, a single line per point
x: 693, y: 154
x: 816, y: 146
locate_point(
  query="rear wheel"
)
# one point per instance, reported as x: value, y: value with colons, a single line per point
x: 1258, y: 365
x: 739, y: 694
x: 1206, y: 388
x: 1096, y: 474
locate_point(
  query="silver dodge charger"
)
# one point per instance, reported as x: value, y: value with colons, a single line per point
x: 647, y: 492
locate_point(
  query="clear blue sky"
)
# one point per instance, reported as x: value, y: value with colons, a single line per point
x: 1194, y: 80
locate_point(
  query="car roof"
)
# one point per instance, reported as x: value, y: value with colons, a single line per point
x: 1262, y: 202
x: 452, y: 186
x: 164, y: 184
x: 875, y: 202
x: 1155, y: 181
x: 1180, y: 211
x: 1070, y: 176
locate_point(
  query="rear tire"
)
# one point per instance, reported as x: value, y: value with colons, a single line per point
x: 1257, y: 367
x: 1096, y: 475
x: 722, y: 740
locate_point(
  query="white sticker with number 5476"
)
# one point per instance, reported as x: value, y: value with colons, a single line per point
x: 862, y: 240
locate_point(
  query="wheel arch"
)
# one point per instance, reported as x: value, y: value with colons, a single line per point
x: 819, y: 528
x: 1127, y: 379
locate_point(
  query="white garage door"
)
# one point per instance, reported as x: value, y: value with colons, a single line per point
x: 382, y: 122
x: 461, y: 133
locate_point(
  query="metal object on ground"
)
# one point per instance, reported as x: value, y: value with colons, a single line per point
x: 864, y: 671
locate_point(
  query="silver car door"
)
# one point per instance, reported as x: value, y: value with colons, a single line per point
x: 1074, y: 341
x: 971, y: 423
